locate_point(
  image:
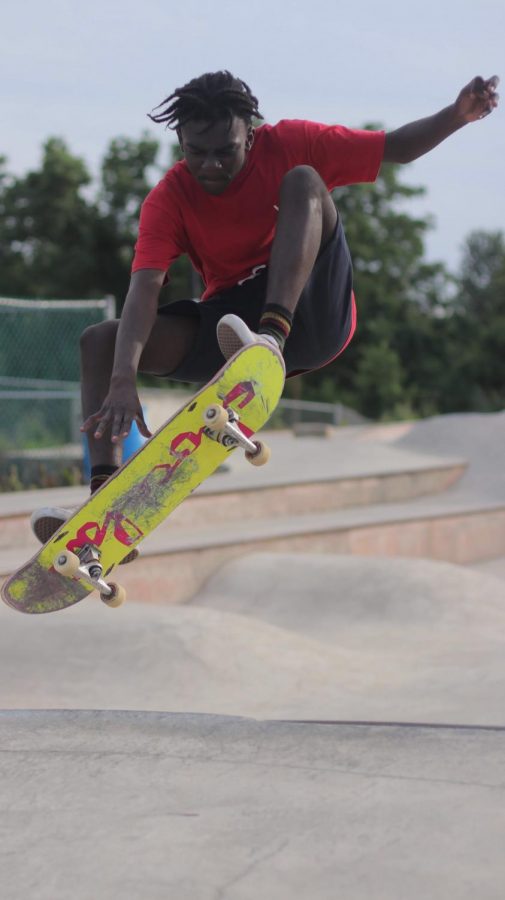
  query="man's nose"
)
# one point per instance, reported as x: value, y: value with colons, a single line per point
x: 211, y: 162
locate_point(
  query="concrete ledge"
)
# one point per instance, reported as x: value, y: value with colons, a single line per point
x: 453, y: 528
x: 327, y: 495
x: 224, y: 501
x: 174, y: 570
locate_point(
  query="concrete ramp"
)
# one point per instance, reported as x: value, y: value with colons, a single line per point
x: 278, y: 636
x: 478, y: 437
x: 170, y: 659
x: 338, y: 598
x: 153, y: 805
x: 430, y: 636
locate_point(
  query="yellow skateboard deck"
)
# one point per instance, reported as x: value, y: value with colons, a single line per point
x: 145, y: 490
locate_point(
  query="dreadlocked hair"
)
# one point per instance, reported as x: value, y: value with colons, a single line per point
x: 209, y: 98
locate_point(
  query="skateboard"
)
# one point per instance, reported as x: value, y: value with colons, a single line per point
x: 222, y: 416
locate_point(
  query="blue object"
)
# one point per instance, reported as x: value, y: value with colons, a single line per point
x: 131, y: 444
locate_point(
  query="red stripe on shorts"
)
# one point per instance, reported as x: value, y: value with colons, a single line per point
x: 354, y: 322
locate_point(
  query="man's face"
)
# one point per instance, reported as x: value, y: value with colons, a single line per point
x: 215, y: 156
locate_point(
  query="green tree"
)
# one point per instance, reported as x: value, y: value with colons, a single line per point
x: 11, y: 261
x: 379, y: 380
x: 46, y: 230
x: 126, y: 176
x: 62, y: 236
x: 478, y: 324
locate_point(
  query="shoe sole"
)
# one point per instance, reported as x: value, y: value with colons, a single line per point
x: 229, y: 342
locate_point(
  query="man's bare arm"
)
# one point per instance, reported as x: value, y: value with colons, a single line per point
x: 475, y: 101
x: 137, y: 320
x: 122, y: 406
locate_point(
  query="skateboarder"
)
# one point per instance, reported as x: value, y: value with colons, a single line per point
x: 252, y: 208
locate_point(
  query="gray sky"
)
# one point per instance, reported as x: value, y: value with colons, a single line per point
x: 89, y: 71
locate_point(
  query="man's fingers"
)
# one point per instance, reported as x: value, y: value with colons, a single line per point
x: 102, y: 426
x: 142, y: 427
x: 482, y: 86
x: 490, y: 94
x: 116, y: 418
x: 492, y: 104
x: 477, y: 85
x: 480, y: 98
x: 121, y: 426
x: 90, y: 421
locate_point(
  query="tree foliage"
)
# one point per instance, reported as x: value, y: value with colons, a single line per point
x: 477, y: 327
x: 46, y: 228
x: 61, y: 235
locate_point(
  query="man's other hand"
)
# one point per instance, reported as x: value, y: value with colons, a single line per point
x: 477, y: 99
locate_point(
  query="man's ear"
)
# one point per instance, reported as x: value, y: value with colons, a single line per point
x: 250, y: 137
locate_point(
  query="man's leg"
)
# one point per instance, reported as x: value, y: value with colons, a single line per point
x: 306, y: 222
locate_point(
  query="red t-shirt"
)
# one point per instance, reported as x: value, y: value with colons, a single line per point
x: 226, y: 236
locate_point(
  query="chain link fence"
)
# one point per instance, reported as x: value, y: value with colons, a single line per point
x: 40, y: 442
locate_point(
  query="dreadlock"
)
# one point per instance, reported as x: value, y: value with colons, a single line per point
x: 209, y: 98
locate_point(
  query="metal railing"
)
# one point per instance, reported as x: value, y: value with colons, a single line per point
x: 291, y: 412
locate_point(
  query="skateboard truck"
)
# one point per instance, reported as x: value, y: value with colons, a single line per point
x: 86, y: 564
x: 222, y: 426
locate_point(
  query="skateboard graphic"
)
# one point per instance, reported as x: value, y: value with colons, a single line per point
x: 81, y: 555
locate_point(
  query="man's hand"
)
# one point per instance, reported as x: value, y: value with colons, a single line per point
x: 411, y: 141
x: 120, y: 408
x: 477, y: 99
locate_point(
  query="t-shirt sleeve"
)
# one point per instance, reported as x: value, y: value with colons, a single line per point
x: 161, y: 236
x: 341, y: 155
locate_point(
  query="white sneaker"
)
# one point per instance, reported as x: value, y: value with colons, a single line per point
x: 46, y: 521
x: 233, y: 335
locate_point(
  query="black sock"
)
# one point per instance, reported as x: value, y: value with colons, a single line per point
x: 277, y: 321
x: 99, y: 475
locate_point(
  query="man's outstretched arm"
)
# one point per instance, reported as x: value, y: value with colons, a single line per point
x: 475, y: 101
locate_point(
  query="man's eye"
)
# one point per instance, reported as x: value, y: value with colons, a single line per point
x: 223, y: 154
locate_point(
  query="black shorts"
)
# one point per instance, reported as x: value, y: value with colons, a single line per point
x: 323, y: 325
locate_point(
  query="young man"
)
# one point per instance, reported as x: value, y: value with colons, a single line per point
x: 252, y: 209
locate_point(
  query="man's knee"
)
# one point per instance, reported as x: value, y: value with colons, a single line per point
x: 303, y: 186
x: 99, y: 338
x: 304, y: 179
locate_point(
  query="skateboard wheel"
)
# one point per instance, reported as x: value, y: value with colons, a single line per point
x: 67, y: 563
x: 117, y: 597
x: 215, y: 417
x: 261, y: 456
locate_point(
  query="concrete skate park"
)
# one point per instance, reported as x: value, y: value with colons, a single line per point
x: 301, y: 698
